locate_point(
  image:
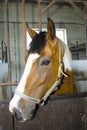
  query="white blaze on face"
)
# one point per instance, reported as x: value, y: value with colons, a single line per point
x: 31, y: 59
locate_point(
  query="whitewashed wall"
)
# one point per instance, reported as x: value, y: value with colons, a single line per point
x: 80, y: 70
x: 3, y: 77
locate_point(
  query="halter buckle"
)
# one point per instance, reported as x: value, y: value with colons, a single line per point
x: 43, y: 102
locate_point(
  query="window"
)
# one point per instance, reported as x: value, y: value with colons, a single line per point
x: 60, y: 33
x: 3, y: 52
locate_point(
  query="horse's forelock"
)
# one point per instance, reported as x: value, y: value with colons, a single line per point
x: 37, y: 43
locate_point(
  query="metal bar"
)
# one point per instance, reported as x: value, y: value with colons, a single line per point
x: 47, y: 7
x: 8, y: 84
x: 39, y: 15
x: 8, y: 42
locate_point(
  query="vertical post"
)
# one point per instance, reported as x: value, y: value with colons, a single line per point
x: 86, y: 39
x: 77, y: 50
x: 2, y: 50
x: 39, y: 15
x: 24, y: 29
x: 8, y: 42
x: 85, y: 12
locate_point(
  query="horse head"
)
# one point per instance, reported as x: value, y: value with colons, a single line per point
x: 40, y: 73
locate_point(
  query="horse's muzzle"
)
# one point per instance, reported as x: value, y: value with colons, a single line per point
x: 19, y: 116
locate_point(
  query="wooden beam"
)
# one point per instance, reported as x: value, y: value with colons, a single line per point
x: 72, y: 2
x: 77, y: 9
x: 8, y: 84
x: 85, y: 10
x: 47, y: 7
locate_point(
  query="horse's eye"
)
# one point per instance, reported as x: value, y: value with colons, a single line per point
x: 44, y: 62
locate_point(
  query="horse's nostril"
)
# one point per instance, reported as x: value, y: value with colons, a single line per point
x: 17, y: 114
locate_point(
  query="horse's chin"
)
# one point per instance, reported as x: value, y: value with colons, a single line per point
x: 26, y: 119
x: 29, y: 119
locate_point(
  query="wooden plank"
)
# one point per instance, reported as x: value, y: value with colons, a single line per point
x: 24, y: 29
x: 62, y: 114
x: 6, y: 121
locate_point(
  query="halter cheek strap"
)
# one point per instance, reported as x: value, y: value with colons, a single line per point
x: 48, y: 93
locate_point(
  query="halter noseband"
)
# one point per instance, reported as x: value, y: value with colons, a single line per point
x: 39, y: 101
x: 48, y: 93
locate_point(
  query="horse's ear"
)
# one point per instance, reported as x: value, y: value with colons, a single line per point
x: 31, y: 32
x: 50, y: 29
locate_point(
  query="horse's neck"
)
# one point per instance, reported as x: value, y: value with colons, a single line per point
x: 67, y: 55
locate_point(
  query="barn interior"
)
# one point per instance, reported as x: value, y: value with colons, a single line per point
x: 70, y: 18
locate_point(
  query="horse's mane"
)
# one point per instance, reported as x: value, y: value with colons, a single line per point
x: 67, y: 56
x: 37, y: 43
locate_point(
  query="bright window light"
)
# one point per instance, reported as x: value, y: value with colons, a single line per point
x: 60, y: 33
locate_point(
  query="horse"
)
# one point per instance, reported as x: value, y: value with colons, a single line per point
x: 47, y: 66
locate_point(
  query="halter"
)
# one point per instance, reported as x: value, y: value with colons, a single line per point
x: 54, y: 86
